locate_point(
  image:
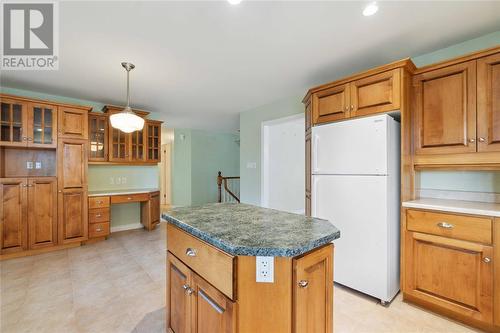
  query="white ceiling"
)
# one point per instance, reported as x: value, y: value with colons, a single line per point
x: 201, y: 63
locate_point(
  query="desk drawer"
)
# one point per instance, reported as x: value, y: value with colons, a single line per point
x: 99, y: 215
x: 129, y: 198
x: 210, y: 263
x: 98, y: 229
x: 471, y: 228
x: 98, y: 202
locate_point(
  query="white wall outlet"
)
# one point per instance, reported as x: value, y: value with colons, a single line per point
x: 29, y: 165
x: 251, y: 165
x: 38, y: 165
x: 264, y: 269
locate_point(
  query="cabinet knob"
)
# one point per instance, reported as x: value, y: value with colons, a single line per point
x: 472, y: 140
x: 445, y: 225
x: 303, y: 283
x: 187, y: 289
x: 59, y: 191
x: 98, y: 229
x: 190, y: 252
x: 482, y: 139
x: 487, y: 260
x: 347, y: 108
x: 97, y: 215
x: 352, y: 107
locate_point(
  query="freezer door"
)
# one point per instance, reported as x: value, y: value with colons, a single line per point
x: 357, y: 146
x: 367, y: 252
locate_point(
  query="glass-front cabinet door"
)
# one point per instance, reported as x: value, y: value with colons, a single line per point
x: 42, y: 125
x: 154, y: 141
x: 13, y: 121
x: 138, y: 146
x: 119, y: 145
x: 98, y: 137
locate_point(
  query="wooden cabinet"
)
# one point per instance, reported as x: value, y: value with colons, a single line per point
x: 13, y: 122
x: 448, y: 264
x: 138, y: 146
x: 178, y: 307
x: 42, y: 212
x: 42, y: 125
x: 153, y: 131
x: 488, y: 103
x: 13, y: 204
x: 308, y: 173
x: 99, y: 217
x: 330, y: 104
x: 72, y: 163
x: 445, y: 109
x: 313, y: 291
x: 119, y: 145
x: 73, y: 122
x: 98, y: 137
x: 376, y: 93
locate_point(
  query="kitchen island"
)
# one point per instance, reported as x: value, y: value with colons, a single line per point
x: 241, y: 268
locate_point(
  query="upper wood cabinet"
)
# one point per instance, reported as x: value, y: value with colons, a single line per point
x: 376, y: 93
x: 73, y: 122
x: 119, y: 145
x: 42, y: 212
x: 313, y: 291
x: 138, y: 145
x: 153, y: 132
x: 445, y: 109
x: 13, y: 122
x: 13, y: 203
x: 330, y: 104
x: 98, y: 137
x: 42, y: 125
x: 488, y: 103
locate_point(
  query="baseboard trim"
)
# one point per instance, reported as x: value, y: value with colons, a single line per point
x: 124, y: 227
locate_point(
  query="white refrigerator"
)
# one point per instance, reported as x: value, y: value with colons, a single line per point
x: 356, y: 186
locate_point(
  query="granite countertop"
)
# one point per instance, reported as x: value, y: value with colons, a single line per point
x: 246, y: 230
x: 122, y: 191
x: 456, y: 206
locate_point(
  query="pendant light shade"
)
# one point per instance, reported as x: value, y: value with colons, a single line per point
x: 127, y: 121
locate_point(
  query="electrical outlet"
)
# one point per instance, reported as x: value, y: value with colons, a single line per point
x: 38, y: 165
x: 264, y: 269
x: 29, y: 165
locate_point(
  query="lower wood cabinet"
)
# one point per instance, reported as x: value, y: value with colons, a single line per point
x: 73, y: 216
x: 448, y: 274
x: 28, y: 209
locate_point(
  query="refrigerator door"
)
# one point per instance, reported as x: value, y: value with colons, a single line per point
x: 367, y: 252
x: 357, y: 146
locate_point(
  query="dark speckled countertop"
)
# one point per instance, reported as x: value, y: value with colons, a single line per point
x: 246, y: 230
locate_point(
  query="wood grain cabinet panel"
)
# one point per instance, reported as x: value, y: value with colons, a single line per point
x: 73, y: 123
x: 153, y: 144
x: 488, y: 103
x: 42, y: 212
x: 376, y: 93
x: 313, y: 291
x: 179, y: 279
x: 454, y: 275
x: 13, y: 122
x: 42, y: 125
x: 445, y: 110
x: 330, y: 104
x: 73, y: 216
x: 72, y: 163
x: 13, y: 226
x: 211, y: 310
x: 98, y: 137
x: 119, y: 145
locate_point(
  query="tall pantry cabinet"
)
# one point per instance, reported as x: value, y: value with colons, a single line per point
x: 43, y: 175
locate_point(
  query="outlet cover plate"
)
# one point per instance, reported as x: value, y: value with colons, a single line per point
x: 264, y: 269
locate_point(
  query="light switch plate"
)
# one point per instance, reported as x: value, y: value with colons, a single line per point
x: 29, y: 165
x: 264, y: 269
x: 251, y: 165
x: 38, y: 165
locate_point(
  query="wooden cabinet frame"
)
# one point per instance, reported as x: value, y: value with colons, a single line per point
x: 24, y: 122
x: 47, y: 201
x: 31, y: 128
x: 16, y: 211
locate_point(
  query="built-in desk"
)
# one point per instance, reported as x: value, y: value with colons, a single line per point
x: 101, y: 201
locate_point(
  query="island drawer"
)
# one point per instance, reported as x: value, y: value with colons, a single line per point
x: 98, y: 202
x: 99, y: 215
x: 130, y: 198
x: 214, y: 265
x: 471, y: 228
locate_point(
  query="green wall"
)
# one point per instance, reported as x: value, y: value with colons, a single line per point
x: 251, y: 120
x: 198, y: 156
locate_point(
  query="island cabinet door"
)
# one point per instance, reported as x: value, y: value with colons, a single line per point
x: 179, y: 296
x: 211, y: 310
x: 313, y: 291
x: 455, y: 275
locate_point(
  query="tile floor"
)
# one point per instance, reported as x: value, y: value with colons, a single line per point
x: 119, y: 286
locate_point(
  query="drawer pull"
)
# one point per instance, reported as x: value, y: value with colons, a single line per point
x: 303, y: 283
x: 190, y: 252
x: 445, y: 225
x: 98, y: 229
x: 129, y: 198
x: 98, y: 215
x: 487, y: 260
x: 99, y: 202
x: 211, y: 302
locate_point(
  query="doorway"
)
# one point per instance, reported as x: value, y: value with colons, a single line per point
x: 283, y: 164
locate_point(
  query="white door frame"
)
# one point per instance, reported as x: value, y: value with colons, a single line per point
x: 166, y: 174
x: 264, y: 149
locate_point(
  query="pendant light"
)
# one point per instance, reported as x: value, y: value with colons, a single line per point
x: 127, y: 121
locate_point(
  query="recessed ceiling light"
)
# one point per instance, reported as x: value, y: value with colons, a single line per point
x: 370, y: 9
x: 234, y: 2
